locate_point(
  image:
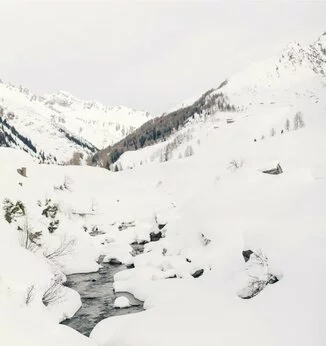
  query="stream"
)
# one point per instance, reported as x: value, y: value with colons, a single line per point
x: 97, y: 296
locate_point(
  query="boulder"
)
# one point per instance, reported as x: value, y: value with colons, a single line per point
x: 246, y: 254
x: 121, y: 302
x: 274, y: 171
x: 155, y: 236
x: 198, y: 273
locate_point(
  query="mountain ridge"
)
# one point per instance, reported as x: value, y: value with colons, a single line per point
x: 298, y: 72
x: 60, y: 124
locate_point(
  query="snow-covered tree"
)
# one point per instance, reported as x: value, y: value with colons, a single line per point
x: 189, y: 151
x: 298, y: 121
x: 273, y: 132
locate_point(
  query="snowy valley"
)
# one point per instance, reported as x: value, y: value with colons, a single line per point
x: 227, y: 209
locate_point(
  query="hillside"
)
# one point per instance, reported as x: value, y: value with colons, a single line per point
x: 297, y: 75
x: 54, y: 126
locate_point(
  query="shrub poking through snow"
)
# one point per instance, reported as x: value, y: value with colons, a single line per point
x: 50, y: 210
x: 53, y: 226
x: 234, y: 165
x: 54, y: 292
x: 29, y: 294
x: 29, y: 239
x: 66, y: 185
x: 13, y: 211
x: 65, y: 248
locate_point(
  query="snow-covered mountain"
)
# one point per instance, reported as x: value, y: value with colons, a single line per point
x: 57, y: 125
x: 280, y: 86
x: 230, y: 207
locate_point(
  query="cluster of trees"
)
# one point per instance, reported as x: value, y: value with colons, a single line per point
x: 82, y: 143
x: 160, y: 128
x: 13, y: 134
x: 167, y: 151
x: 298, y: 123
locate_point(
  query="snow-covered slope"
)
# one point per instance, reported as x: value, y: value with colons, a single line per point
x: 59, y: 124
x: 279, y: 86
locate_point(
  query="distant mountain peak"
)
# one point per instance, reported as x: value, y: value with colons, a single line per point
x: 59, y: 123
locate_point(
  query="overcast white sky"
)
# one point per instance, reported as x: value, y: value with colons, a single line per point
x: 145, y: 54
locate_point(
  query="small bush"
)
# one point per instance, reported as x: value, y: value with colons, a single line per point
x: 13, y: 211
x: 54, y: 292
x: 65, y: 248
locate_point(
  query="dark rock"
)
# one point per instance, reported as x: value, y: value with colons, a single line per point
x: 162, y: 225
x: 130, y: 266
x: 198, y: 273
x: 172, y: 277
x: 205, y: 240
x: 139, y: 242
x: 246, y: 254
x: 188, y: 260
x: 114, y: 261
x: 155, y: 236
x: 274, y: 171
x: 126, y: 225
x: 22, y: 171
x: 273, y: 279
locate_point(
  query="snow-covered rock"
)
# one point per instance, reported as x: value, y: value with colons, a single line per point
x: 121, y: 302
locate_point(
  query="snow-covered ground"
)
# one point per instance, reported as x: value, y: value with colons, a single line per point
x: 208, y: 206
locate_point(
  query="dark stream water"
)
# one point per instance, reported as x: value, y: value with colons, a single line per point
x: 97, y: 295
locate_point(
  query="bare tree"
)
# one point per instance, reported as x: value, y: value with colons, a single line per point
x: 287, y: 125
x: 67, y: 182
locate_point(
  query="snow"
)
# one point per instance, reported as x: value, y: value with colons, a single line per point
x: 211, y: 215
x: 121, y: 302
x: 281, y: 216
